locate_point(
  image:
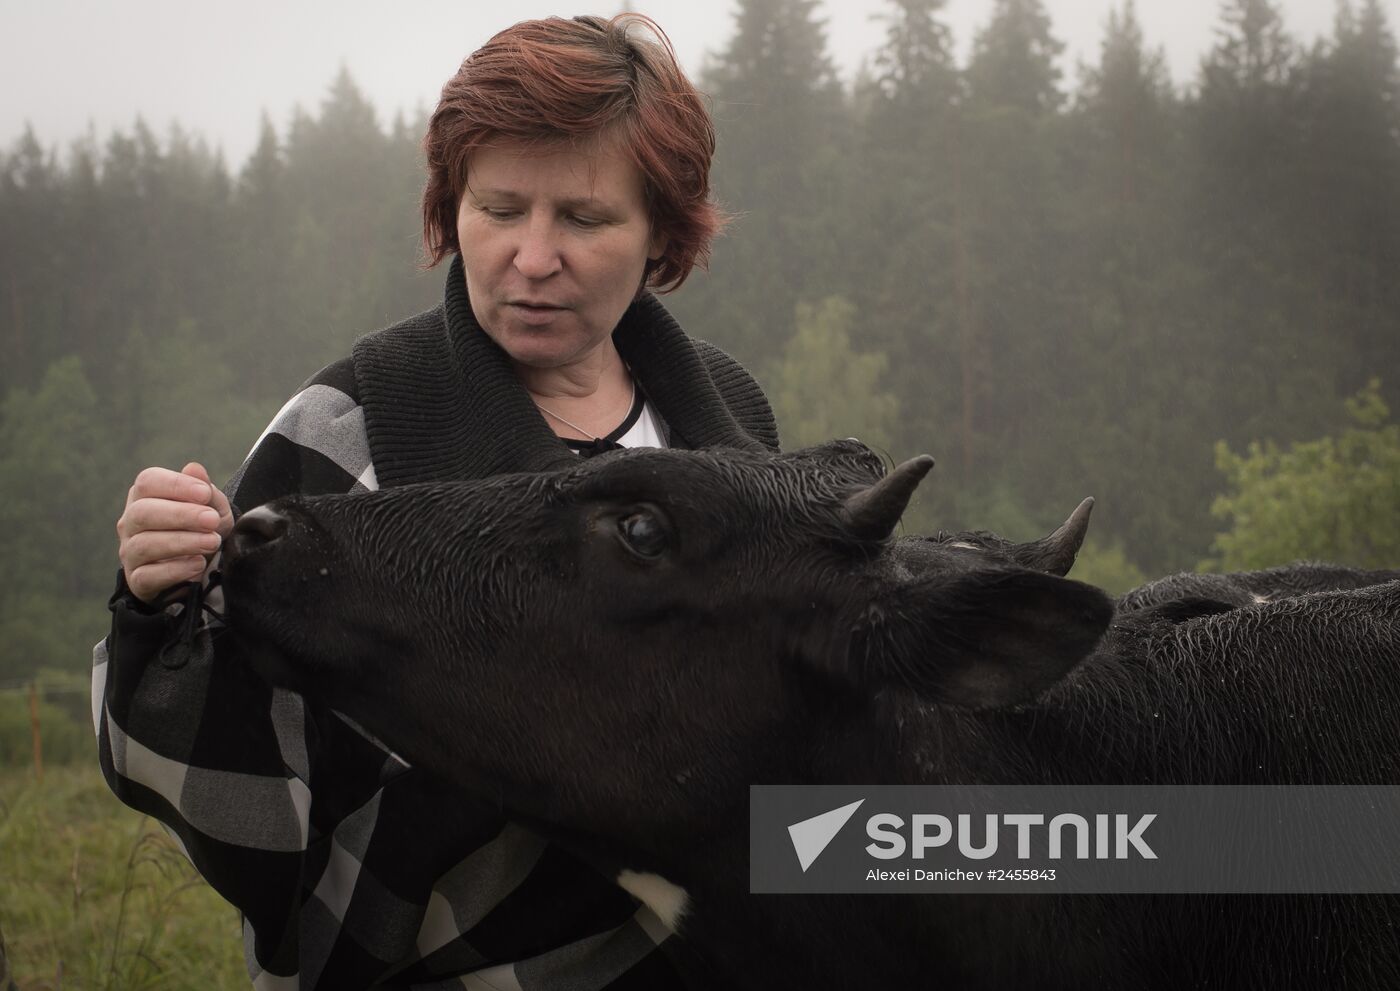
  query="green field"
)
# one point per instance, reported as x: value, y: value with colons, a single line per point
x: 95, y: 897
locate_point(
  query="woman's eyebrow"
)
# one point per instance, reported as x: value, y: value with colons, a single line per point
x: 480, y: 193
x: 578, y: 202
x: 569, y: 203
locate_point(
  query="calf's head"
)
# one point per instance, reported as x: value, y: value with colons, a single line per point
x: 647, y: 632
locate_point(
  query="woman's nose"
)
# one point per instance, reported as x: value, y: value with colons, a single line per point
x: 537, y: 255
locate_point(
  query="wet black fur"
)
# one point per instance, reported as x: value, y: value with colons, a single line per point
x: 502, y: 633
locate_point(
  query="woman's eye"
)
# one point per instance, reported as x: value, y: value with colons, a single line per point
x: 588, y: 223
x: 498, y: 213
x: 643, y: 534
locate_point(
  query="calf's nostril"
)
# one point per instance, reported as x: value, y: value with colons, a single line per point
x: 256, y: 528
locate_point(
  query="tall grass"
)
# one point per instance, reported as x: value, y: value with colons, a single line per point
x: 95, y: 897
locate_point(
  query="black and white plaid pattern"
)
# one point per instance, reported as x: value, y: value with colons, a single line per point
x: 351, y: 869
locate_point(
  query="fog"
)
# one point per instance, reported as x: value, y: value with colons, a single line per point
x: 68, y: 65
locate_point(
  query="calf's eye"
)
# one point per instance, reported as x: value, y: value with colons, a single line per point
x: 643, y: 534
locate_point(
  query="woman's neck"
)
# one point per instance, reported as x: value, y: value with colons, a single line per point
x: 599, y: 370
x: 594, y: 392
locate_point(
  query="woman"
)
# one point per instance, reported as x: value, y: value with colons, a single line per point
x: 568, y: 170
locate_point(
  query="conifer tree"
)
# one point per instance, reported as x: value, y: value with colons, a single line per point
x: 913, y: 69
x: 349, y: 225
x: 30, y: 199
x: 262, y: 350
x: 1245, y: 159
x: 1253, y: 50
x: 781, y: 122
x: 1127, y: 98
x: 1249, y: 89
x: 1013, y: 59
x: 901, y: 207
x: 1347, y: 204
x: 1006, y: 229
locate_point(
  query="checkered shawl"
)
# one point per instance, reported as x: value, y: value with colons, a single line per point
x: 350, y: 868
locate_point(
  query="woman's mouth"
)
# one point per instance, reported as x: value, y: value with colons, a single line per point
x: 535, y: 312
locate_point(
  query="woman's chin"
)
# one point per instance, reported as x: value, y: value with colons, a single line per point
x: 536, y: 349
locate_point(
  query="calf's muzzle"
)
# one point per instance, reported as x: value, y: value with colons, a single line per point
x: 256, y: 528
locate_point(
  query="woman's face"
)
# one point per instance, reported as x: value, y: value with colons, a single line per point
x: 554, y: 242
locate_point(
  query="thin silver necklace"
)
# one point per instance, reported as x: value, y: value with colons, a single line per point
x: 570, y: 423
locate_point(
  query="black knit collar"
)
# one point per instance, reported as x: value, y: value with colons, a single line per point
x: 442, y: 401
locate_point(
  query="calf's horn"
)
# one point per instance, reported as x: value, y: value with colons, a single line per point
x: 871, y: 514
x: 1054, y: 554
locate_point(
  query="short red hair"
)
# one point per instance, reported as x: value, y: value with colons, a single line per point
x: 581, y: 79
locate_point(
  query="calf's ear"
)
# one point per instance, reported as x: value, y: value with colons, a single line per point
x: 982, y: 639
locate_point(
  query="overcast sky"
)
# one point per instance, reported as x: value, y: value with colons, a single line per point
x: 68, y: 64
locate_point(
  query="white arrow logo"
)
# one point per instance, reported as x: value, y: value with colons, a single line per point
x: 811, y: 836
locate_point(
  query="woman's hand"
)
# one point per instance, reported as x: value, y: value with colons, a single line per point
x: 173, y: 523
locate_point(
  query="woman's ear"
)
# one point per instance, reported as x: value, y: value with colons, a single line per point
x: 657, y: 246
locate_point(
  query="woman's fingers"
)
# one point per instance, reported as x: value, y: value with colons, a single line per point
x: 164, y: 514
x: 217, y: 501
x: 149, y: 580
x: 150, y: 546
x: 162, y: 483
x: 172, y: 522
